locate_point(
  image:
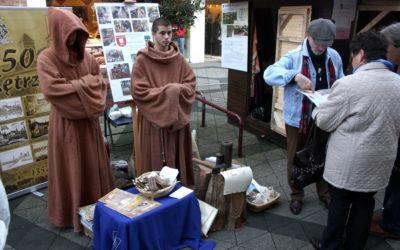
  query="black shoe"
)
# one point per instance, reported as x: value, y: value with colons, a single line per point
x: 316, y: 243
x: 326, y: 202
x: 295, y: 206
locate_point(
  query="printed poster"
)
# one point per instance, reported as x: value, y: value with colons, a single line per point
x: 234, y: 35
x: 24, y: 112
x: 124, y: 30
x: 343, y: 13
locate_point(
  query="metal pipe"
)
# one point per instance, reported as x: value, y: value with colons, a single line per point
x: 240, y: 139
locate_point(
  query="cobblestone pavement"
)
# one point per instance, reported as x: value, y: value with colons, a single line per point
x: 275, y: 228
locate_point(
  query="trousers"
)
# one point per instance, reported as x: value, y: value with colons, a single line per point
x: 181, y: 44
x: 294, y: 143
x: 350, y: 214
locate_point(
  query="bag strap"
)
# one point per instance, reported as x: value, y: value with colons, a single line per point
x: 313, y: 130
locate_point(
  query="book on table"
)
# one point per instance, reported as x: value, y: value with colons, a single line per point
x: 128, y: 204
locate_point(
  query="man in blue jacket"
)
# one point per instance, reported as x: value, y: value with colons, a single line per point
x: 311, y: 66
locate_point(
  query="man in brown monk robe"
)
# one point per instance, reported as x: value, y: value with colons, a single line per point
x: 163, y: 87
x: 79, y: 170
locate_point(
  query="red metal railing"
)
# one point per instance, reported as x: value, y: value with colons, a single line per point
x: 203, y: 118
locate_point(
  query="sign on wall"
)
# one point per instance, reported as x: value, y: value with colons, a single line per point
x: 124, y: 30
x: 234, y: 35
x: 24, y: 112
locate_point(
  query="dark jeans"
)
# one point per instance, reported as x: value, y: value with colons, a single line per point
x: 349, y: 213
x: 391, y: 205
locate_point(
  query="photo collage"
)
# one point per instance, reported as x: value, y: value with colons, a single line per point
x: 124, y: 30
x: 24, y: 125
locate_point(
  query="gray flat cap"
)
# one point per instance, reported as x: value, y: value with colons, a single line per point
x: 322, y: 31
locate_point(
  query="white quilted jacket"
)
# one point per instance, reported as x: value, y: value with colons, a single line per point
x: 363, y: 114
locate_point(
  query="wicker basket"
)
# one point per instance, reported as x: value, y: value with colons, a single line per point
x: 260, y: 207
x: 159, y: 193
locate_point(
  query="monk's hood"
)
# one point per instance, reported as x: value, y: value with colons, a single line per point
x: 160, y: 56
x: 61, y: 24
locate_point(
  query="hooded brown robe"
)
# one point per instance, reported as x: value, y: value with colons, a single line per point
x: 163, y: 87
x: 79, y: 170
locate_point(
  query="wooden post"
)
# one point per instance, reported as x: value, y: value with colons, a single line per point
x: 231, y: 208
x: 136, y: 139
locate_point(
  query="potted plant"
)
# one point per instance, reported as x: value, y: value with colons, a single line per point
x: 181, y: 13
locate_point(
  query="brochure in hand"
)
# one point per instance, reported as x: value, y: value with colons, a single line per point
x: 317, y: 97
x: 130, y: 205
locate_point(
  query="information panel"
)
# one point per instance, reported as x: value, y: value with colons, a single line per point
x: 234, y: 35
x: 124, y: 30
x: 24, y: 112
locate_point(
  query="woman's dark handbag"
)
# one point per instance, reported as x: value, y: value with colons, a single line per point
x: 308, y: 169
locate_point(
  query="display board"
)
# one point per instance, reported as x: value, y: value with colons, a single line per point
x: 24, y: 112
x: 124, y: 30
x: 235, y: 19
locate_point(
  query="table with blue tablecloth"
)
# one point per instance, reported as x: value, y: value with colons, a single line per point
x: 173, y: 225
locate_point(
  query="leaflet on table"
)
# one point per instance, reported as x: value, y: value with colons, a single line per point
x: 317, y: 97
x: 128, y: 204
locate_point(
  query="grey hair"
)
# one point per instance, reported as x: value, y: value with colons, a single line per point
x: 393, y: 33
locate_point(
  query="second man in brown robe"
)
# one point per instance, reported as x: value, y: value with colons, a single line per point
x: 163, y: 88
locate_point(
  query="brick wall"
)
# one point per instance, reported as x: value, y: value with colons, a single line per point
x: 12, y: 2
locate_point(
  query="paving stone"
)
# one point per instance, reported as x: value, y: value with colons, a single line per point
x: 307, y: 247
x: 256, y: 220
x: 275, y: 154
x: 378, y: 243
x: 223, y: 245
x: 78, y: 238
x: 261, y: 170
x: 44, y: 223
x: 319, y: 217
x: 312, y: 229
x: 25, y: 235
x: 259, y: 157
x: 223, y: 235
x: 263, y: 241
x: 278, y: 166
x: 287, y: 243
x: 265, y: 178
x: 247, y: 233
x: 61, y: 243
x: 31, y: 210
x: 395, y: 244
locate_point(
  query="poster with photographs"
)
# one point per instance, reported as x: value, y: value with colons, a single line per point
x: 124, y: 30
x: 234, y: 35
x: 24, y: 111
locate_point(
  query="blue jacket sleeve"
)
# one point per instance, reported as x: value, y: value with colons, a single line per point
x: 281, y: 72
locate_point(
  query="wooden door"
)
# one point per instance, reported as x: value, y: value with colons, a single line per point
x: 292, y: 24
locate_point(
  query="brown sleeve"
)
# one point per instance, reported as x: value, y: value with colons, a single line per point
x: 82, y: 98
x: 186, y: 98
x: 158, y: 105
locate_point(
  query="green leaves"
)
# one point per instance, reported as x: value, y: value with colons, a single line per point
x: 180, y: 12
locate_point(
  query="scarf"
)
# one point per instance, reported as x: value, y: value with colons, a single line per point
x: 388, y: 64
x: 305, y: 110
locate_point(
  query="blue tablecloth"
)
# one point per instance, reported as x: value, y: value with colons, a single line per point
x: 173, y: 225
